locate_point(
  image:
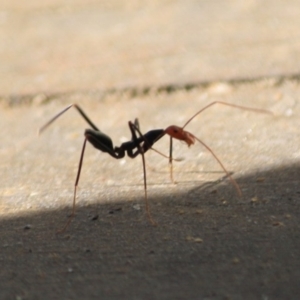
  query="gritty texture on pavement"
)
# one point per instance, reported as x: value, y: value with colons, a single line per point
x: 177, y: 57
x: 209, y: 243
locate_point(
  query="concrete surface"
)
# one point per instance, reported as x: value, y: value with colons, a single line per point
x: 160, y: 63
x: 59, y: 46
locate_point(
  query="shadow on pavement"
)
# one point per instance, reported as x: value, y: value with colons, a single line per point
x: 208, y: 245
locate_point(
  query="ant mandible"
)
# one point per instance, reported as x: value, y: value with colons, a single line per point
x: 140, y: 144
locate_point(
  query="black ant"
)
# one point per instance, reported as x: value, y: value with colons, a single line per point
x: 140, y: 144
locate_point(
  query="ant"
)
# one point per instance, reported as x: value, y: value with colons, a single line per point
x: 140, y: 144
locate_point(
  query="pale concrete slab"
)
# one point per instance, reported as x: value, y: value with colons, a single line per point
x: 58, y: 46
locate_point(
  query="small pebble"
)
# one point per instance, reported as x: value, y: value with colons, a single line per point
x: 136, y: 207
x: 277, y: 224
x: 254, y: 200
x: 236, y: 260
x: 260, y: 179
x: 194, y: 239
x: 95, y: 217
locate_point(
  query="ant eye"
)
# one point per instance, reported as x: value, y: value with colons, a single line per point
x: 175, y: 130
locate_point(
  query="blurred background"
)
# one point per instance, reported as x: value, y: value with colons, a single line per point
x: 57, y: 46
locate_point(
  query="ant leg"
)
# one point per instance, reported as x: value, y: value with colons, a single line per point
x: 137, y: 124
x: 171, y: 160
x: 234, y: 183
x: 75, y: 189
x: 82, y: 113
x: 141, y: 150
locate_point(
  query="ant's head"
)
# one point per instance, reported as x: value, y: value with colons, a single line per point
x: 178, y: 133
x: 174, y: 131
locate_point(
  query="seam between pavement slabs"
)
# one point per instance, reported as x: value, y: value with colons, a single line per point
x: 134, y: 91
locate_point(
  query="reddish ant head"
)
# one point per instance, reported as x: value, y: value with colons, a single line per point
x: 180, y: 134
